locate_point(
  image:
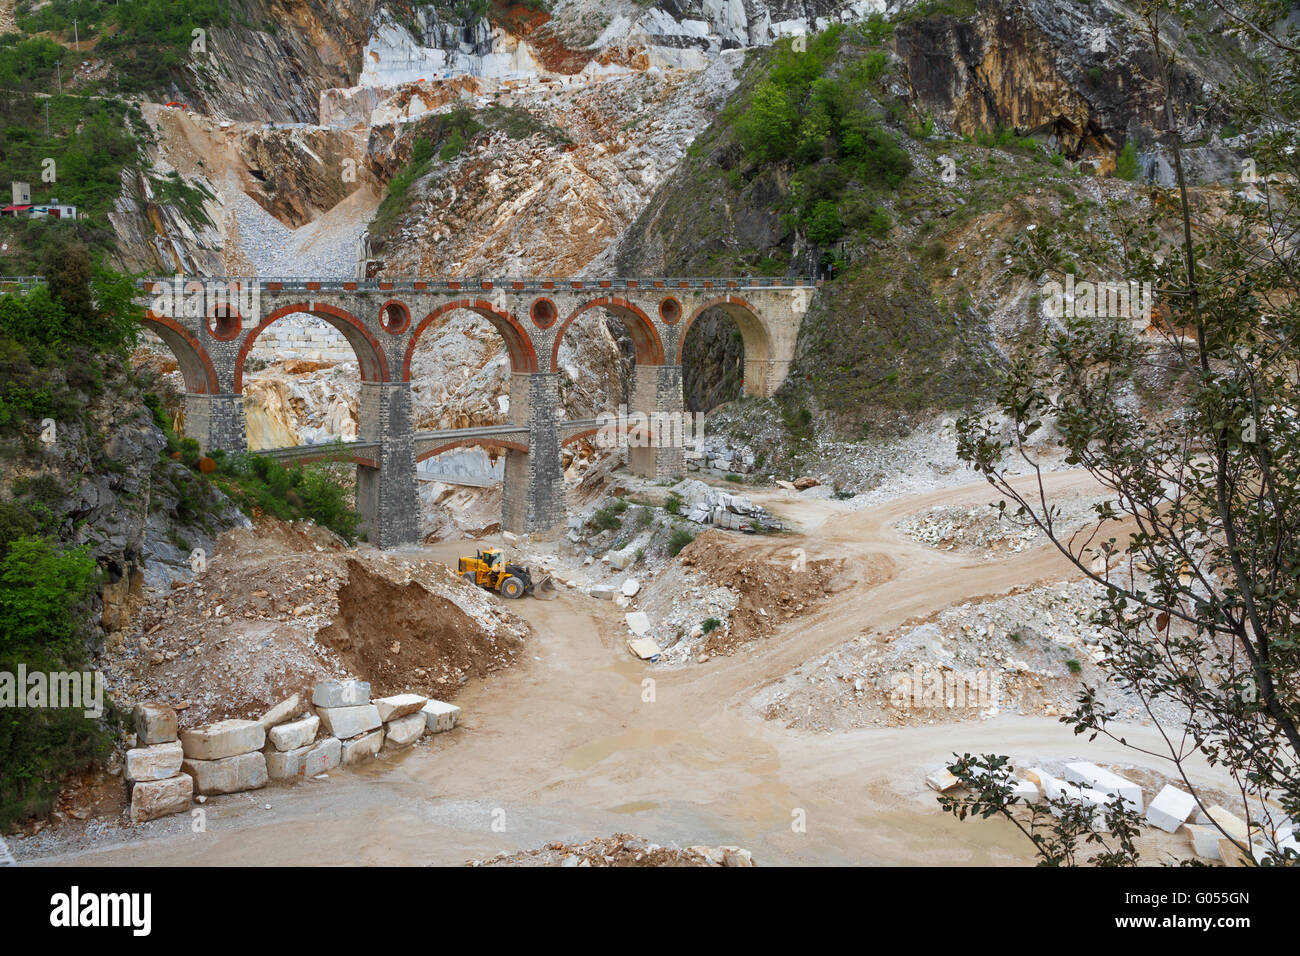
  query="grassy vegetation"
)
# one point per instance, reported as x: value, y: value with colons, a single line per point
x: 54, y: 342
x: 259, y: 485
x: 816, y: 112
x: 679, y: 539
x: 146, y: 41
x: 89, y: 144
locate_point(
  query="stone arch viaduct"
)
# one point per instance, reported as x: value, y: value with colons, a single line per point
x: 211, y: 325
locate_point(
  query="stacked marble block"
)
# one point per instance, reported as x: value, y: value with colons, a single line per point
x: 357, y: 728
x: 153, y: 771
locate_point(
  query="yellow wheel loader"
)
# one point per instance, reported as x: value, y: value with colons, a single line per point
x: 489, y: 569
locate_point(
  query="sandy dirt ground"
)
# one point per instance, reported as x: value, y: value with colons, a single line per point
x: 565, y: 746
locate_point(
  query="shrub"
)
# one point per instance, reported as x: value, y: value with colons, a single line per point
x: 679, y: 539
x: 710, y: 625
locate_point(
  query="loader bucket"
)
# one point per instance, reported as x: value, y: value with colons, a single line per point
x: 544, y: 587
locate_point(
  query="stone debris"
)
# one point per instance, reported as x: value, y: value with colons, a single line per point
x: 630, y: 587
x: 941, y: 780
x: 1170, y: 808
x: 281, y: 712
x: 157, y: 788
x: 638, y: 623
x: 155, y: 762
x: 621, y: 849
x: 1205, y: 841
x: 347, y: 722
x: 154, y: 724
x: 705, y: 504
x: 305, y: 761
x: 225, y: 738
x: 348, y: 693
x: 1111, y: 784
x: 404, y: 731
x: 362, y: 748
x: 294, y: 735
x: 400, y: 705
x: 439, y: 716
x: 236, y: 774
x: 151, y: 799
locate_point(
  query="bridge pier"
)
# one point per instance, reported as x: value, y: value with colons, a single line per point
x: 216, y: 421
x: 532, y: 493
x: 386, y: 496
x: 657, y: 391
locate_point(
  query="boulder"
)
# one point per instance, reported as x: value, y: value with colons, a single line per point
x: 1111, y: 784
x: 280, y: 712
x: 346, y: 722
x: 294, y: 735
x: 400, y: 705
x: 941, y: 780
x: 225, y: 738
x: 439, y: 716
x: 157, y: 762
x: 154, y: 724
x: 1205, y: 841
x: 228, y: 774
x: 1170, y: 809
x: 804, y: 482
x: 323, y: 755
x: 362, y: 748
x: 630, y: 587
x: 639, y: 623
x: 404, y: 731
x: 304, y: 761
x: 621, y: 560
x: 151, y: 799
x: 341, y: 693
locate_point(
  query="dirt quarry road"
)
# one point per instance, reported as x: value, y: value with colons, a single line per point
x: 565, y: 746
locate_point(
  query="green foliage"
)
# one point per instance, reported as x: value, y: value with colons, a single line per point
x: 609, y: 517
x: 90, y: 143
x: 710, y: 624
x: 1126, y: 163
x: 826, y: 128
x: 673, y: 503
x: 147, y: 41
x: 679, y: 539
x: 44, y: 594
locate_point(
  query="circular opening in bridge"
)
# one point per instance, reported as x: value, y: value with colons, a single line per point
x: 670, y: 310
x: 543, y: 313
x: 224, y: 322
x: 394, y: 317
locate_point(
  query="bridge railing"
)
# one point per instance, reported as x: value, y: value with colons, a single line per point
x: 308, y: 284
x: 8, y: 283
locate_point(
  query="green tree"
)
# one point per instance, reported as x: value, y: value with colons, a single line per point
x: 1197, y: 552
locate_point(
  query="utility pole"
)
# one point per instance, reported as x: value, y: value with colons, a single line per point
x: 59, y: 67
x: 47, y: 117
x: 76, y: 40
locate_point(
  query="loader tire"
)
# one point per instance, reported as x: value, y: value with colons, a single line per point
x: 512, y: 587
x: 471, y: 577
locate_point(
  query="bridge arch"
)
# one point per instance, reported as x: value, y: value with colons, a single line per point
x: 196, y: 366
x: 754, y: 333
x: 645, y: 338
x: 519, y: 347
x: 484, y: 441
x: 370, y: 355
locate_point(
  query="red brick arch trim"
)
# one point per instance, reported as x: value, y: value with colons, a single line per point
x: 712, y: 303
x: 523, y: 357
x: 579, y: 436
x: 485, y: 441
x: 374, y: 365
x: 170, y: 327
x: 645, y: 337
